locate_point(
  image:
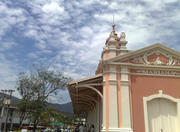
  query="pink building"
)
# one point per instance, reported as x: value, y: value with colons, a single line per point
x: 132, y: 91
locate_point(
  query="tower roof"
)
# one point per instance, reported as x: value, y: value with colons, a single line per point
x: 113, y: 35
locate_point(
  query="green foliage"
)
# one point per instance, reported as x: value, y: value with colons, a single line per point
x: 51, y: 116
x: 48, y: 116
x: 35, y: 88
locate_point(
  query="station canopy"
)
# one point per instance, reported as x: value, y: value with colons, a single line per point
x: 85, y: 93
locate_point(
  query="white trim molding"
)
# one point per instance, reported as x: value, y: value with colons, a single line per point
x: 159, y: 95
x: 117, y: 130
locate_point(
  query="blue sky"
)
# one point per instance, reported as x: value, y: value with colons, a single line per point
x: 68, y: 35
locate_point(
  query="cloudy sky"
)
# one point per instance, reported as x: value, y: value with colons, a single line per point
x: 68, y: 35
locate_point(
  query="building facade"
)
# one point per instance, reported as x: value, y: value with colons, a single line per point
x: 132, y: 91
x: 10, y: 119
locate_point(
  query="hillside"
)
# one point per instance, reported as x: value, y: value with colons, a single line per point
x: 64, y: 108
x: 67, y: 108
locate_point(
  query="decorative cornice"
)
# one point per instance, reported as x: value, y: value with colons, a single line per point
x: 130, y: 65
x: 140, y: 51
x: 155, y: 75
x: 115, y: 73
x: 172, y: 74
x: 112, y: 49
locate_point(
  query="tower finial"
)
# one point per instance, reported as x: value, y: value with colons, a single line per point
x: 113, y: 25
x: 113, y: 18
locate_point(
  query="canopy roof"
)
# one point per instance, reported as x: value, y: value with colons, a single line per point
x: 85, y: 93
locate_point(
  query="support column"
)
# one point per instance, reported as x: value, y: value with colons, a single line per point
x: 126, y: 114
x: 101, y: 114
x: 113, y: 108
x: 110, y: 110
x: 110, y: 100
x: 105, y: 104
x: 97, y: 115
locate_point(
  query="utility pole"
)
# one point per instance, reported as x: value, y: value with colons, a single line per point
x: 11, y: 121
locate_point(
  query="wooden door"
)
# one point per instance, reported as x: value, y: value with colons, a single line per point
x: 162, y: 116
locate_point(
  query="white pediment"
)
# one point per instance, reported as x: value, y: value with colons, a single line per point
x: 156, y: 54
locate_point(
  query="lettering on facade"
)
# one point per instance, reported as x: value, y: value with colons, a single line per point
x: 158, y: 72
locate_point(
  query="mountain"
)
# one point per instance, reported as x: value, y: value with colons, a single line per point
x: 67, y: 108
x: 63, y: 108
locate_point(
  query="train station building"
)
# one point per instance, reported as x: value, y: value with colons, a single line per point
x: 131, y: 91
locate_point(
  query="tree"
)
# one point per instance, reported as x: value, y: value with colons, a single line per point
x: 24, y: 104
x: 35, y: 88
x: 48, y: 116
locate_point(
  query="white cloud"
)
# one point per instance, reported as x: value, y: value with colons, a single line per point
x: 8, y: 73
x: 37, y: 54
x: 70, y: 35
x: 46, y: 51
x: 86, y: 32
x: 161, y: 1
x: 32, y: 55
x: 104, y: 17
x: 41, y: 45
x: 63, y: 97
x: 53, y: 7
x: 6, y: 45
x: 9, y: 17
x: 31, y: 33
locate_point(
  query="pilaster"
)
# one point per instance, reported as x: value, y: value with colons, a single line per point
x: 105, y: 123
x: 126, y: 114
x: 110, y: 102
x: 113, y: 104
